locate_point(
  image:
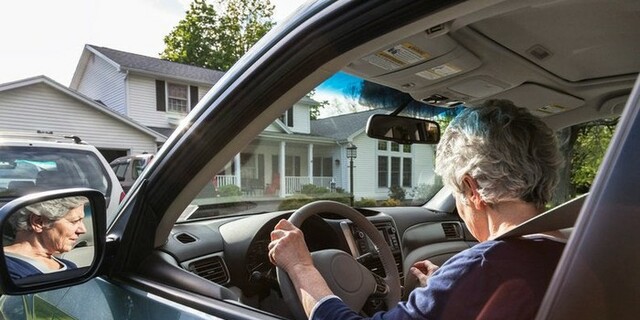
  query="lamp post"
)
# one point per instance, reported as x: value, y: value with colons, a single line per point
x: 352, y: 153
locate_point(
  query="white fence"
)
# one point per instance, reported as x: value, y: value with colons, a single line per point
x: 223, y: 180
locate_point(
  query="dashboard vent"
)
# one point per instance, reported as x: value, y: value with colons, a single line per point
x: 212, y: 269
x: 375, y: 265
x: 451, y: 230
x: 185, y: 238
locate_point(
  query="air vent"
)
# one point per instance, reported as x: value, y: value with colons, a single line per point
x: 185, y: 238
x: 212, y: 269
x: 375, y: 265
x: 451, y: 230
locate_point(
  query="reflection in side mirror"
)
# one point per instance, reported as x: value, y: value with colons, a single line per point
x: 51, y: 239
x: 48, y: 236
x: 403, y: 130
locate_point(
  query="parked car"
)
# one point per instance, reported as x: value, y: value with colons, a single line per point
x: 129, y: 168
x: 567, y: 61
x: 40, y: 162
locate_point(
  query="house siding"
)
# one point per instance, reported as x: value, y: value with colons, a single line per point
x: 366, y: 168
x: 301, y: 119
x: 41, y: 107
x: 102, y: 81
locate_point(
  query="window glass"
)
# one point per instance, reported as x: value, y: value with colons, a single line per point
x: 383, y: 171
x: 24, y: 170
x: 406, y: 148
x: 395, y: 146
x: 382, y: 145
x: 177, y: 98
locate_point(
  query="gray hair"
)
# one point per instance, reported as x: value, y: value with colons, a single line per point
x: 53, y: 210
x: 511, y: 154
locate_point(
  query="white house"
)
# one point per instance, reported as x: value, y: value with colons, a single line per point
x: 290, y: 153
x: 40, y: 104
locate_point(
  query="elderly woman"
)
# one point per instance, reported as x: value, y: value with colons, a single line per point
x: 501, y: 164
x: 43, y: 230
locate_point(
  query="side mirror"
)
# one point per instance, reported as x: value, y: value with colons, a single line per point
x: 403, y: 130
x: 51, y: 239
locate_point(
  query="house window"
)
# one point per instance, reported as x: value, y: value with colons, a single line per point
x: 178, y: 98
x: 174, y: 97
x: 395, y: 171
x: 394, y: 165
x: 292, y: 166
x: 287, y: 117
x: 383, y: 172
x: 322, y: 167
x: 406, y: 172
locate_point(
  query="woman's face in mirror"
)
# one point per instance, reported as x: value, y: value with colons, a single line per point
x: 63, y: 234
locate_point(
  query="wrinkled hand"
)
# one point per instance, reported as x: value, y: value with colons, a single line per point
x: 287, y: 248
x: 423, y: 271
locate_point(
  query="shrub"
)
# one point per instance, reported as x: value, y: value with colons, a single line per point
x: 390, y: 203
x: 299, y: 200
x: 365, y: 202
x: 313, y: 189
x: 397, y: 193
x: 229, y: 190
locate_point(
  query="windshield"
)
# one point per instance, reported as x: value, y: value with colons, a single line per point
x: 318, y: 150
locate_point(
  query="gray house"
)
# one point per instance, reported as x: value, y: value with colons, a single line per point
x: 40, y: 104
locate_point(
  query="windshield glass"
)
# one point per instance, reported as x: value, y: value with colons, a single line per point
x: 312, y: 151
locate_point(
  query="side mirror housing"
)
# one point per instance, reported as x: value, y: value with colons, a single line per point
x: 403, y: 130
x: 77, y: 217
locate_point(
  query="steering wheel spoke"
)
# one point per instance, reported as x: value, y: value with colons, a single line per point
x: 348, y: 279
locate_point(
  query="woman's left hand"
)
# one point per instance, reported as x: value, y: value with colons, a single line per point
x: 287, y: 248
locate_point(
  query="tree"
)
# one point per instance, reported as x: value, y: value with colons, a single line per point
x: 216, y: 38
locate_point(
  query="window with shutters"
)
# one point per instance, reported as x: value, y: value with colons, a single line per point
x: 177, y: 98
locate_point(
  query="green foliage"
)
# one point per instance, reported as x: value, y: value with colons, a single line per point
x: 424, y: 191
x: 390, y: 203
x: 311, y: 189
x: 365, y: 202
x: 216, y: 39
x: 588, y: 152
x: 397, y: 193
x: 229, y: 190
x: 314, y: 111
x: 299, y: 200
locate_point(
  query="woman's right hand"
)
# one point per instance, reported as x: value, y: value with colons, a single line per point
x: 423, y: 271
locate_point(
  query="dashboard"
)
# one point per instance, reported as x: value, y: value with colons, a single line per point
x: 231, y: 252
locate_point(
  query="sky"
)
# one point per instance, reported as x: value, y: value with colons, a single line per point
x: 46, y: 37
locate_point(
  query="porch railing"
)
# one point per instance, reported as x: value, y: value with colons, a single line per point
x: 294, y: 184
x: 223, y: 180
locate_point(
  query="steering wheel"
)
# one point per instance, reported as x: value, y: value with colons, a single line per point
x: 348, y: 279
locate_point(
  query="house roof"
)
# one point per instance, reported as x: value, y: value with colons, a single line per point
x: 88, y: 101
x: 342, y: 127
x: 127, y: 61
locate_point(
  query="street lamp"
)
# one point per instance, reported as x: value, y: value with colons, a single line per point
x: 352, y: 153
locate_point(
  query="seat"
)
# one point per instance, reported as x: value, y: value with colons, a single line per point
x: 48, y: 180
x: 21, y: 187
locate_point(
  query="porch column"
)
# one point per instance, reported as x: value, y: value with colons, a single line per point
x: 236, y: 162
x: 282, y: 157
x: 310, y: 156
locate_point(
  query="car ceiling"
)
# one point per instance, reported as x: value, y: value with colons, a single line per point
x: 566, y: 61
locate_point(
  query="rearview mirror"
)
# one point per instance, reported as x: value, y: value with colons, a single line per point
x: 51, y: 239
x: 403, y: 130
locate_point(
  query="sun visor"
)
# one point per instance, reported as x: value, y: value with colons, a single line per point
x: 412, y: 51
x: 540, y: 101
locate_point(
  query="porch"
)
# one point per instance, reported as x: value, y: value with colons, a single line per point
x: 254, y: 187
